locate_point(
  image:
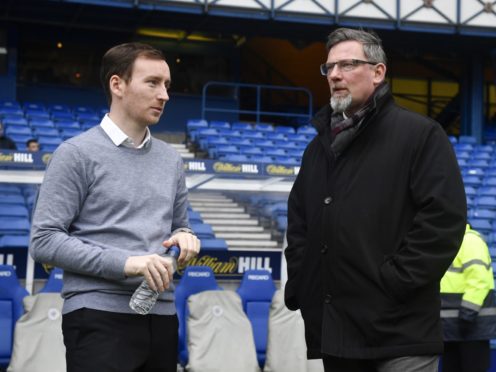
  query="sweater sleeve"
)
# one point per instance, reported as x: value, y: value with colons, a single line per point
x: 436, y: 188
x: 60, y: 200
x: 180, y: 220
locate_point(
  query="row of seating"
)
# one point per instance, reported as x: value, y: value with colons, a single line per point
x: 49, y: 111
x: 256, y: 291
x: 194, y: 125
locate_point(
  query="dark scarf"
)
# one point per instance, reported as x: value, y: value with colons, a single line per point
x: 344, y: 131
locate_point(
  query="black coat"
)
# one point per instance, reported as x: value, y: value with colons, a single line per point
x: 371, y: 233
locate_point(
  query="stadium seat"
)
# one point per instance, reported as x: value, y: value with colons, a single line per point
x: 54, y: 282
x: 41, y: 122
x: 203, y: 231
x: 62, y: 115
x: 14, y: 241
x: 67, y: 124
x: 213, y: 244
x: 14, y: 226
x: 241, y: 126
x: 18, y: 129
x: 194, y: 280
x: 68, y: 133
x: 220, y: 337
x: 256, y: 291
x: 219, y: 124
x: 252, y: 151
x: 46, y: 131
x: 275, y: 136
x: 467, y: 139
x: 49, y: 140
x: 234, y: 157
x: 9, y: 189
x: 16, y: 199
x: 264, y: 127
x: 194, y: 217
x: 8, y: 210
x: 11, y: 309
x: 285, y: 129
x: 307, y: 130
x: 194, y: 124
x: 261, y: 159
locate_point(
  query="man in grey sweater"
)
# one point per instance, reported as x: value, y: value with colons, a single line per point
x: 112, y: 201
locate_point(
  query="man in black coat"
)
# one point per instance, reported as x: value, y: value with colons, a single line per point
x: 375, y: 217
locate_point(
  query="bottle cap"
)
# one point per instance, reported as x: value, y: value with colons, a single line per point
x: 174, y: 251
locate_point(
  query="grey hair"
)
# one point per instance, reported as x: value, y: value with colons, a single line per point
x: 372, y: 44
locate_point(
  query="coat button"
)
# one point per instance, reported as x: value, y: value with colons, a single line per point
x: 324, y: 249
x: 328, y: 200
x: 328, y: 299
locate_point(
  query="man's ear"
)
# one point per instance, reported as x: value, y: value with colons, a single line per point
x: 379, y: 73
x: 117, y: 84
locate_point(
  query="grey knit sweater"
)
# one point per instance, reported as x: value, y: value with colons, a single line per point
x: 100, y: 204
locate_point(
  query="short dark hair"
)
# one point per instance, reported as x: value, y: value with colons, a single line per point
x: 119, y: 60
x: 371, y: 42
x: 30, y: 141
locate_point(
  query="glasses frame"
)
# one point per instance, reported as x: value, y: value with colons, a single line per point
x: 325, y: 68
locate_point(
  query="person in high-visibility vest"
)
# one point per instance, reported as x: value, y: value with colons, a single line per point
x: 468, y: 307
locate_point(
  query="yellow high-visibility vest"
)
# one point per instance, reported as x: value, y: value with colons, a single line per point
x: 470, y: 274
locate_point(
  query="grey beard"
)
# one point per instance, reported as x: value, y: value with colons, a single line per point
x: 340, y: 104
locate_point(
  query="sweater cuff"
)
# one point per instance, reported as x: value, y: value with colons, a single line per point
x: 183, y: 229
x: 115, y: 260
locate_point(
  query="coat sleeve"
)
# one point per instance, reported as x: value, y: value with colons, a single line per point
x: 61, y: 197
x: 296, y: 237
x: 431, y: 244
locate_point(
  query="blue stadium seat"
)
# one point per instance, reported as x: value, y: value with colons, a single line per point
x: 482, y: 213
x: 11, y: 111
x: 253, y: 135
x: 9, y: 189
x: 87, y: 116
x: 214, y: 244
x: 194, y: 124
x: 241, y: 126
x: 62, y: 115
x: 35, y: 114
x: 481, y: 155
x: 287, y: 160
x: 43, y: 123
x: 453, y: 140
x: 18, y: 129
x: 285, y: 129
x: 462, y: 154
x: 84, y: 110
x: 14, y: 241
x: 203, y: 231
x: 256, y: 291
x: 467, y: 139
x: 55, y: 281
x: 474, y: 171
x: 261, y: 158
x: 271, y: 151
x: 275, y: 136
x: 194, y: 217
x: 489, y: 181
x: 472, y: 181
x: 46, y: 132
x: 67, y: 124
x: 463, y: 147
x: 10, y: 104
x: 49, y: 140
x: 488, y: 202
x: 68, y: 133
x: 194, y: 280
x: 297, y: 138
x: 226, y: 149
x: 307, y: 129
x: 482, y: 225
x: 264, y: 127
x: 480, y: 163
x: 252, y: 151
x: 14, y: 226
x: 11, y: 309
x: 219, y: 124
x: 486, y: 190
x: 9, y: 210
x: 234, y: 157
x: 12, y: 199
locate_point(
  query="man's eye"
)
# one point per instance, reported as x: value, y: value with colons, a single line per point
x: 346, y: 65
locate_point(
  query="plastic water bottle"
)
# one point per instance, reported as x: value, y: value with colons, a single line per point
x: 144, y: 298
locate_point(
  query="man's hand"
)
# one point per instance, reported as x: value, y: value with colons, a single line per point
x: 188, y: 243
x: 155, y: 269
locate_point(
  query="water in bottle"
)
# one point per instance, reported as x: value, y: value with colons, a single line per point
x: 144, y: 298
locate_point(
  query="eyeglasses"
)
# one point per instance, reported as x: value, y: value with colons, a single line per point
x: 343, y: 65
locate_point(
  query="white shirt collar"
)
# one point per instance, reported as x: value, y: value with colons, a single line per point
x: 118, y: 137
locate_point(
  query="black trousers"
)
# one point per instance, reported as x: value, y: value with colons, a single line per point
x: 467, y: 356
x: 111, y: 342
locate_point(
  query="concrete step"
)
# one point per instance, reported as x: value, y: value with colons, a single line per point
x: 222, y: 222
x: 187, y: 155
x: 216, y: 204
x: 243, y: 229
x: 240, y: 235
x: 220, y: 209
x: 251, y: 243
x: 214, y: 214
